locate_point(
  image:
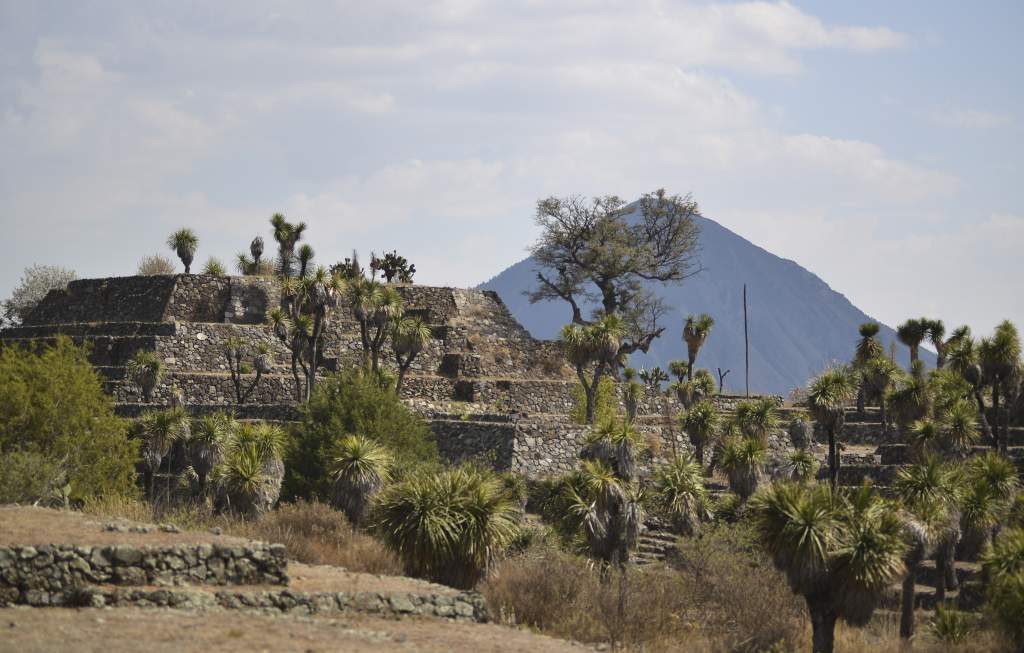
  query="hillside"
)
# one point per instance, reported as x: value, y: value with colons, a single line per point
x: 798, y: 324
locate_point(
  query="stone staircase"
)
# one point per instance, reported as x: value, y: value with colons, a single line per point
x: 654, y: 545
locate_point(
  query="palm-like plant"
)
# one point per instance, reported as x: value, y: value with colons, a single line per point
x: 701, y: 423
x: 210, y: 437
x: 609, y: 511
x: 361, y: 467
x: 757, y: 417
x: 960, y: 427
x: 937, y: 334
x: 184, y: 243
x: 214, y: 267
x: 839, y: 553
x: 287, y: 236
x: 802, y: 466
x: 990, y: 483
x: 868, y: 348
x: 743, y: 460
x: 827, y: 397
x: 680, y: 493
x: 878, y: 375
x: 145, y: 369
x: 159, y: 432
x: 409, y: 336
x: 1003, y: 566
x: 911, y: 333
x: 448, y: 527
x: 695, y: 333
x: 963, y: 358
x: 242, y: 482
x: 1000, y: 364
x: 632, y: 395
x: 617, y: 445
x: 592, y: 349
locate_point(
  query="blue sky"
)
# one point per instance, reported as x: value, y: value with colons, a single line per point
x: 876, y: 143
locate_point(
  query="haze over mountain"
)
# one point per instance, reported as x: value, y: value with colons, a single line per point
x: 798, y: 324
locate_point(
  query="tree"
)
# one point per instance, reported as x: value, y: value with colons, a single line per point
x: 592, y: 349
x: 827, y: 397
x: 449, y: 527
x: 1003, y: 565
x: 308, y: 302
x: 375, y: 308
x: 868, y: 349
x: 360, y: 469
x: 936, y: 334
x: 757, y: 418
x: 250, y: 477
x: 963, y: 359
x: 680, y: 493
x: 207, y: 443
x: 145, y: 369
x: 158, y: 432
x: 743, y: 460
x: 392, y: 267
x: 911, y: 333
x: 36, y: 282
x: 632, y: 393
x: 599, y: 252
x: 877, y: 377
x: 691, y: 391
x: 184, y: 243
x: 695, y: 333
x: 287, y: 236
x: 1000, y: 365
x: 840, y: 553
x: 155, y: 265
x: 54, y: 413
x: 408, y: 338
x: 262, y: 363
x: 701, y: 423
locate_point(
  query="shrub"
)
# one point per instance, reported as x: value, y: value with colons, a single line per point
x: 1003, y: 565
x: 31, y: 477
x: 346, y: 403
x: 360, y: 468
x: 448, y: 526
x: 949, y: 626
x: 154, y: 265
x: 214, y: 267
x: 54, y: 408
x: 680, y: 494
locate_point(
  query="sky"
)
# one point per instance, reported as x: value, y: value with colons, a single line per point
x: 878, y: 144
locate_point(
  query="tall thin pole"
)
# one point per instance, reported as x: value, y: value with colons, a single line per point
x: 746, y: 340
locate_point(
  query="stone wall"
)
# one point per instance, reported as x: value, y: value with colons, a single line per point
x: 118, y: 299
x: 28, y: 571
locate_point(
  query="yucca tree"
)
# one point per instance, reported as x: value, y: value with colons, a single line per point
x: 145, y: 369
x: 159, y: 431
x: 695, y: 333
x: 287, y: 236
x: 256, y: 250
x: 937, y: 335
x: 693, y: 390
x: 184, y: 242
x: 989, y: 486
x: 448, y: 527
x: 632, y: 393
x: 827, y: 398
x: 911, y: 333
x: 211, y: 435
x: 609, y: 512
x: 743, y: 460
x: 249, y: 479
x: 757, y: 418
x: 877, y: 377
x: 408, y: 338
x: 1003, y: 567
x: 960, y: 427
x: 868, y: 348
x: 701, y: 423
x: 1000, y: 363
x: 963, y: 358
x: 802, y: 466
x: 679, y: 369
x: 593, y: 351
x: 929, y: 493
x: 360, y: 468
x: 616, y: 444
x: 840, y: 553
x: 679, y: 491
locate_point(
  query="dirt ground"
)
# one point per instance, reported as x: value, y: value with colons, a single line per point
x: 26, y: 525
x: 127, y: 630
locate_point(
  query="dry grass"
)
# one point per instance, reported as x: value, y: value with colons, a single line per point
x: 314, y: 533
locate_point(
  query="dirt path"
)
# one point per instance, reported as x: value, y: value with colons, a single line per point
x: 127, y: 630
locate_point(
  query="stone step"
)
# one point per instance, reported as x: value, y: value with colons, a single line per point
x: 854, y: 475
x: 970, y: 596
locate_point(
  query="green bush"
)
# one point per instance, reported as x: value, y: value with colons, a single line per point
x: 54, y: 415
x: 606, y: 403
x: 350, y: 403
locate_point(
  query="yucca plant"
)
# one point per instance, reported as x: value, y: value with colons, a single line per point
x: 990, y: 483
x: 287, y: 236
x: 911, y: 333
x: 632, y: 396
x: 448, y: 527
x: 1003, y: 567
x: 802, y: 466
x: 184, y: 243
x: 701, y: 423
x: 210, y: 438
x: 609, y: 511
x: 145, y: 369
x: 949, y: 625
x: 242, y: 484
x: 743, y: 460
x: 695, y: 333
x: 757, y: 417
x: 960, y: 427
x: 360, y: 469
x: 839, y: 552
x: 409, y: 336
x: 679, y: 491
x: 214, y: 267
x: 616, y: 444
x: 159, y: 431
x: 827, y: 397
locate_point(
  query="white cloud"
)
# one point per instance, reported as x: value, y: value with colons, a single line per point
x: 971, y: 119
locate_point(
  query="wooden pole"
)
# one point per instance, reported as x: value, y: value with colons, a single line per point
x: 746, y: 340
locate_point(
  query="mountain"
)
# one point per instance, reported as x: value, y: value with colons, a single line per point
x: 798, y: 324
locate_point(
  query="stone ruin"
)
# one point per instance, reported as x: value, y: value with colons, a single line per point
x: 488, y: 389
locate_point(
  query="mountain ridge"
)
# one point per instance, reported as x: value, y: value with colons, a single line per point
x: 798, y: 323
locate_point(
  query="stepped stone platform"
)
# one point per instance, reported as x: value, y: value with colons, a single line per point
x: 489, y: 390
